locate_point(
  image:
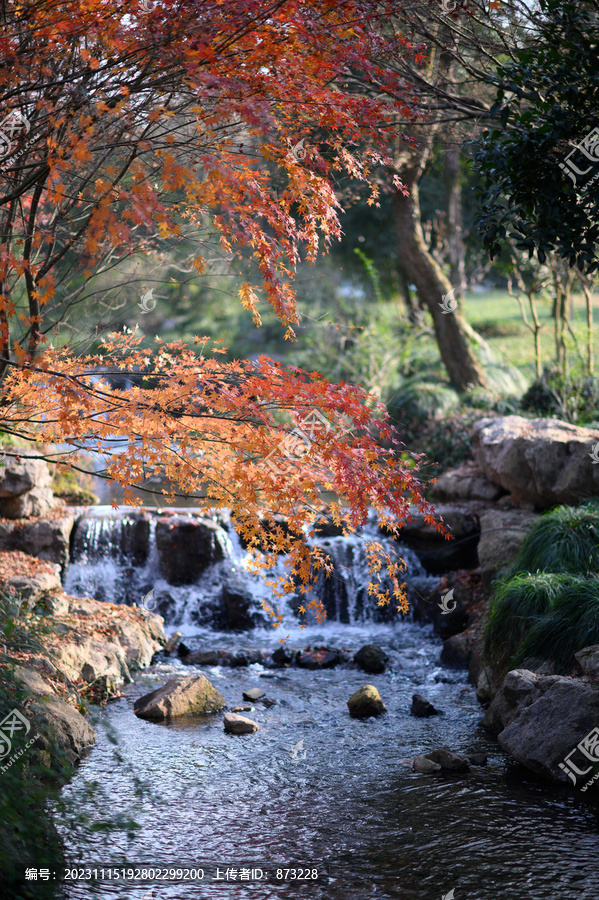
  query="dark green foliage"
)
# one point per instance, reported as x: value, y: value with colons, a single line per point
x: 546, y: 105
x: 547, y: 607
x: 565, y: 539
x: 571, y: 398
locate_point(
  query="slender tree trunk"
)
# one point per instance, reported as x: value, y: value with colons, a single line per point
x: 455, y: 229
x: 462, y: 366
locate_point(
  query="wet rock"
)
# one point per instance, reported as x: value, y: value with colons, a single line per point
x: 421, y: 708
x: 190, y: 696
x: 237, y: 606
x: 466, y: 482
x: 371, y: 659
x: 208, y: 658
x: 456, y: 652
x: 437, y: 554
x: 502, y: 533
x: 366, y: 702
x: 246, y: 658
x: 477, y: 759
x: 449, y: 761
x: 425, y: 766
x: 254, y: 694
x: 237, y: 709
x: 540, y: 462
x: 173, y: 642
x: 267, y: 702
x: 520, y: 687
x: 318, y: 659
x: 19, y: 475
x: 186, y: 547
x: 559, y: 714
x: 235, y: 724
x: 587, y: 661
x: 283, y: 656
x: 100, y: 690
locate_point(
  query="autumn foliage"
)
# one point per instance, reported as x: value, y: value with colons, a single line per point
x: 125, y: 129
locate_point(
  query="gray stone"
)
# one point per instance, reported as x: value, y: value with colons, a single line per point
x: 235, y: 724
x: 366, y: 702
x: 65, y: 726
x: 457, y: 652
x: 22, y: 474
x: 46, y: 539
x: 187, y: 546
x: 562, y: 712
x: 173, y: 641
x: 449, y: 761
x: 519, y: 688
x: 189, y: 696
x: 587, y: 661
x: 502, y: 533
x: 466, y: 482
x: 478, y: 759
x: 371, y: 659
x: 254, y: 694
x: 32, y: 681
x: 540, y: 462
x: 422, y: 708
x: 425, y: 766
x: 436, y: 553
x: 36, y: 502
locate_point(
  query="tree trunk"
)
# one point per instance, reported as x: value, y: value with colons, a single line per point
x: 462, y: 366
x: 455, y: 229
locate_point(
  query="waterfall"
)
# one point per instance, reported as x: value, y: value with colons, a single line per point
x: 195, y: 565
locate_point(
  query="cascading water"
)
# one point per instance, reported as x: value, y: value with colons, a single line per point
x: 196, y: 568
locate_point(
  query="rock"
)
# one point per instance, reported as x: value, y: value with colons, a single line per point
x: 254, y: 694
x: 37, y: 502
x: 101, y: 658
x: 437, y: 554
x: 587, y: 661
x: 237, y: 605
x: 189, y: 696
x: 283, y: 656
x: 187, y: 546
x: 235, y: 724
x: 425, y: 766
x: 456, y: 652
x: 267, y: 702
x: 449, y: 761
x: 467, y: 482
x: 366, y: 702
x: 46, y: 539
x: 520, y: 687
x: 547, y: 729
x: 540, y: 462
x: 100, y: 690
x: 318, y: 659
x: 32, y: 681
x: 138, y: 646
x: 502, y: 533
x: 371, y: 659
x: 173, y: 641
x: 421, y: 708
x: 207, y: 658
x: 20, y: 475
x: 246, y: 658
x: 477, y: 759
x: 33, y: 586
x: 65, y: 727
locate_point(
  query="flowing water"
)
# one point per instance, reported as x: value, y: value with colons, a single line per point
x: 314, y: 791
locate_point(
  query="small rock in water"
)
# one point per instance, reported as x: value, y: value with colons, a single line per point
x: 241, y: 709
x: 173, y: 642
x: 191, y: 696
x: 478, y: 759
x: 421, y: 708
x: 208, y: 658
x: 283, y: 656
x: 239, y: 724
x: 366, y: 702
x: 268, y: 702
x: 371, y: 659
x: 318, y: 659
x: 425, y: 766
x: 254, y: 694
x: 182, y: 650
x: 246, y: 658
x: 449, y: 761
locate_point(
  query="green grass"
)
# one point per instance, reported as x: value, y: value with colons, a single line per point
x: 565, y: 539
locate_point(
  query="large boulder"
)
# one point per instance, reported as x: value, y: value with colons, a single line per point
x: 25, y: 487
x: 587, y: 661
x: 437, y: 554
x: 502, y: 532
x: 467, y: 482
x: 236, y: 608
x: 540, y: 462
x: 366, y: 702
x: 60, y: 726
x: 190, y: 696
x: 46, y: 539
x: 457, y: 651
x: 548, y: 727
x: 187, y: 546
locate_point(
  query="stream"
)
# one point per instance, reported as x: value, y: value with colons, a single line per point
x: 329, y: 802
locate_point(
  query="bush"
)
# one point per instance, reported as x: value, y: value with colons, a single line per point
x: 572, y: 398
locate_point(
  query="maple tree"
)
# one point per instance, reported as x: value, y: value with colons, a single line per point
x: 124, y: 130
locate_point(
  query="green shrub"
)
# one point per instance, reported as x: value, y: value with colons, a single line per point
x: 573, y: 398
x: 565, y: 539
